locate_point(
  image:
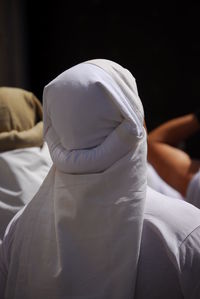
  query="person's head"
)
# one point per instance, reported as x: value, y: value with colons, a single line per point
x: 84, y: 106
x: 94, y: 195
x: 20, y: 119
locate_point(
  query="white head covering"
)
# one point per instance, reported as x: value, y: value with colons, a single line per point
x: 80, y: 235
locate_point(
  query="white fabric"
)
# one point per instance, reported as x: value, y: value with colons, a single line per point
x: 169, y: 263
x: 193, y: 190
x: 157, y: 183
x: 21, y: 174
x: 89, y: 210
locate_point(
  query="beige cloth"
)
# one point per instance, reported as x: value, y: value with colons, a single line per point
x: 20, y: 119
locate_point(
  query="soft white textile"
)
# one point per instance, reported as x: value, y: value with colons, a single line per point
x: 193, y: 190
x: 158, y: 184
x: 22, y: 172
x: 169, y: 263
x: 80, y: 235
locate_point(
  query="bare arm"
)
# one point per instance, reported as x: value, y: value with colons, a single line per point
x: 172, y: 164
x: 175, y: 130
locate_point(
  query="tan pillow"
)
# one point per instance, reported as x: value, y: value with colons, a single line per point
x: 21, y: 116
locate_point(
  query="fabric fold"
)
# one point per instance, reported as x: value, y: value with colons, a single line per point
x: 23, y: 171
x: 115, y: 146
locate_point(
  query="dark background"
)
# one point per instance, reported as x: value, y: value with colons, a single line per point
x: 158, y: 43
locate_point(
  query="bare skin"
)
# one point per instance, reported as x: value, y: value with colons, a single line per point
x: 173, y: 165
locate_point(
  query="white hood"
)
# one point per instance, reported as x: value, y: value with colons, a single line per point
x: 80, y: 235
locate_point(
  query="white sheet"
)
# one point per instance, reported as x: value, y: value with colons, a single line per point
x: 80, y: 235
x: 21, y: 174
x: 193, y: 190
x: 170, y: 251
x: 169, y: 260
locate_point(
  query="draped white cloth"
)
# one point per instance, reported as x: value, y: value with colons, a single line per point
x: 80, y: 235
x: 22, y: 173
x: 169, y: 263
x: 193, y: 190
x: 158, y: 184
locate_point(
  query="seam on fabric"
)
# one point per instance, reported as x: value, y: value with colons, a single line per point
x: 189, y: 235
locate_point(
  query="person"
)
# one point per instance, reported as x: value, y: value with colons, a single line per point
x: 84, y: 232
x: 170, y: 162
x: 24, y: 157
